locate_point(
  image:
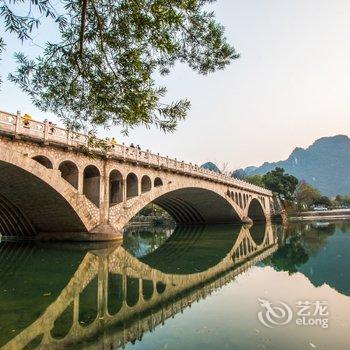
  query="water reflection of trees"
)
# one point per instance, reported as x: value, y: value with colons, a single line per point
x: 142, y: 240
x: 290, y: 256
x: 315, y: 238
x: 300, y: 241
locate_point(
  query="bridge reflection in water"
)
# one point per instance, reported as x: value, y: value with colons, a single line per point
x: 112, y: 297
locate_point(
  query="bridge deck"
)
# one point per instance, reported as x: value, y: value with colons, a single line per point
x: 15, y: 125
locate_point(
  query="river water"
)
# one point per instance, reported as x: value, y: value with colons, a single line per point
x: 215, y: 287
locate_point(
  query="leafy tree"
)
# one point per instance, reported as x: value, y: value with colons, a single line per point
x: 101, y: 71
x: 324, y: 201
x: 306, y: 195
x: 342, y: 200
x: 256, y: 180
x: 280, y: 183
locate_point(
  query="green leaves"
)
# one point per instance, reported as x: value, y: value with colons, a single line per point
x: 22, y: 26
x: 102, y: 71
x: 280, y: 183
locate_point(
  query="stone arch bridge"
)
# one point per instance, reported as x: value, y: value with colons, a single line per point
x: 55, y: 185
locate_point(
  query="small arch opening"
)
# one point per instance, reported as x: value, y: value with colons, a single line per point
x: 91, y: 186
x: 115, y: 187
x: 46, y: 162
x: 158, y: 182
x: 131, y: 186
x: 255, y: 211
x: 146, y: 184
x: 69, y: 172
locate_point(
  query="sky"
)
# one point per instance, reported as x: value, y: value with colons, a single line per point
x: 289, y: 87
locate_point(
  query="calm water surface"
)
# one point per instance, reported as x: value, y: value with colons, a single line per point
x: 215, y: 287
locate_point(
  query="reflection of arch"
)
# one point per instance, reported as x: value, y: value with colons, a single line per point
x: 132, y: 186
x: 146, y: 184
x: 91, y: 187
x: 147, y: 289
x: 257, y: 232
x: 69, y: 171
x: 160, y: 287
x: 195, y: 239
x: 240, y: 200
x: 88, y: 305
x: 63, y: 323
x: 115, y: 292
x: 85, y: 294
x: 256, y: 211
x: 158, y: 182
x: 132, y: 291
x: 46, y: 162
x: 115, y: 187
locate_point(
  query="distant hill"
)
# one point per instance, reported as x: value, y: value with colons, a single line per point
x: 325, y: 165
x: 210, y: 166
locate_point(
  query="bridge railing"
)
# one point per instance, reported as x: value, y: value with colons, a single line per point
x: 47, y: 132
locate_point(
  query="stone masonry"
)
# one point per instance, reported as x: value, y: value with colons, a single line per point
x: 56, y: 186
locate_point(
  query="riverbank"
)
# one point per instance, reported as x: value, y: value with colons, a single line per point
x: 336, y: 214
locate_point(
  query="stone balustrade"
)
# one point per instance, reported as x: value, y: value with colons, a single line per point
x: 16, y: 125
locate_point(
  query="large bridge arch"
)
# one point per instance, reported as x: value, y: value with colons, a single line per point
x: 42, y: 197
x: 255, y: 210
x: 186, y: 204
x: 193, y: 205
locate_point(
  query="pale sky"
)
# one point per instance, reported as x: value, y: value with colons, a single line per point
x: 290, y: 86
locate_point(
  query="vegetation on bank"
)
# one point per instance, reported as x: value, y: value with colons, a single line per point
x: 298, y: 194
x: 276, y: 181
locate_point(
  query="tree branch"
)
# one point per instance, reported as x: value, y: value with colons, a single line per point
x: 82, y: 26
